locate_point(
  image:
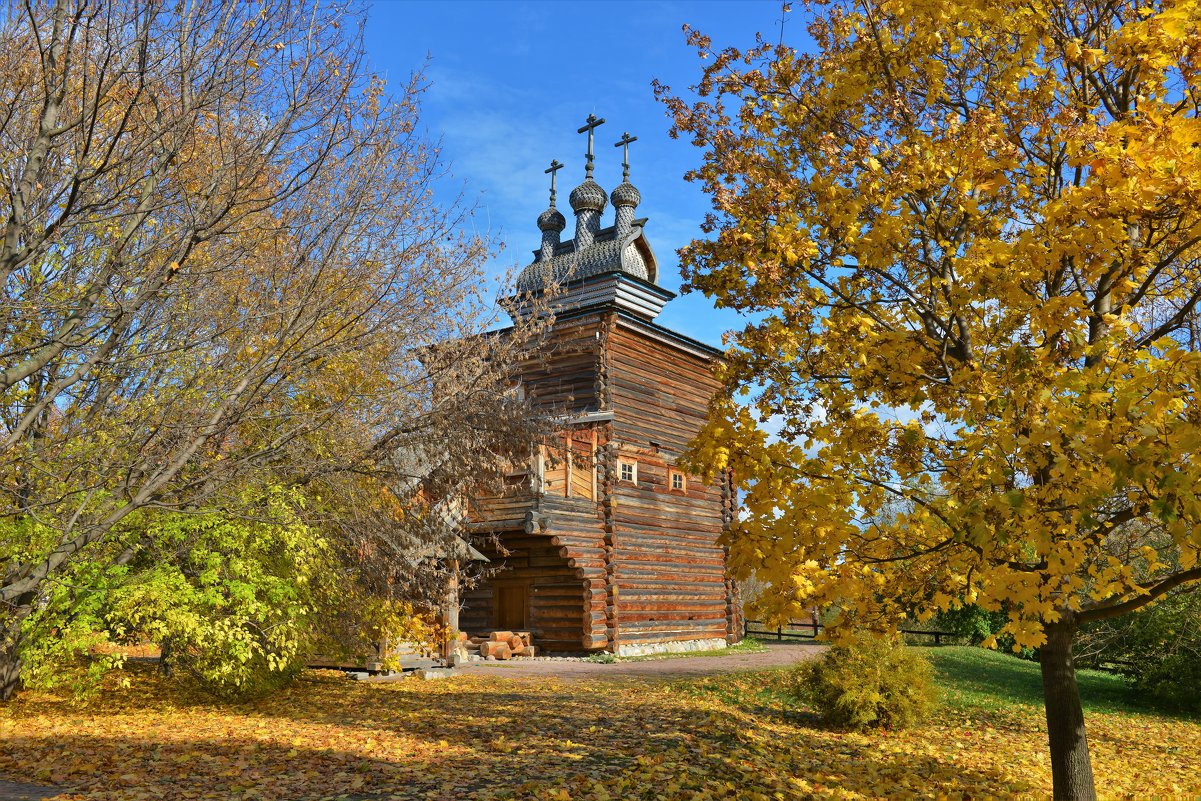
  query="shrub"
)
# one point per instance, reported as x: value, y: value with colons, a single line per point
x: 1157, y: 648
x: 360, y: 626
x: 973, y: 623
x: 230, y: 601
x: 977, y: 626
x: 869, y: 681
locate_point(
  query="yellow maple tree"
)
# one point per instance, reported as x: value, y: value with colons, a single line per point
x: 970, y: 234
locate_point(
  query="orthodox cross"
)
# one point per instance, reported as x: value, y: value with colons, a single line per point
x: 593, y: 123
x: 554, y: 167
x: 625, y: 154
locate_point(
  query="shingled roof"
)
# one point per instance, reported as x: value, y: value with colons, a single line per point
x: 631, y: 255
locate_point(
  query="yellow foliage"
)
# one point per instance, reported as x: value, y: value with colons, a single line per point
x: 972, y: 233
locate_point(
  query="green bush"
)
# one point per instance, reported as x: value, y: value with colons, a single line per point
x: 1157, y: 648
x: 974, y: 625
x: 230, y: 601
x: 970, y: 622
x: 870, y: 681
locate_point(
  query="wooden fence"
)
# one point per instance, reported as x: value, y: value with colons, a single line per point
x: 808, y: 630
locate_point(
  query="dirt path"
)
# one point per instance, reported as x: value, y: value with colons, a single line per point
x: 776, y: 655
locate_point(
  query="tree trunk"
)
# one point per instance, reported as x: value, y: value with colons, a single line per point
x: 1071, y: 769
x: 10, y: 660
x: 166, y: 658
x: 10, y: 673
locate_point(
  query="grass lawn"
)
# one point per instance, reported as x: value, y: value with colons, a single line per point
x: 733, y: 736
x: 976, y: 678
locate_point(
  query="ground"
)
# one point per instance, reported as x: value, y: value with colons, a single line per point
x: 597, y: 732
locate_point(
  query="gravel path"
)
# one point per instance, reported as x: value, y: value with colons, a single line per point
x: 776, y: 655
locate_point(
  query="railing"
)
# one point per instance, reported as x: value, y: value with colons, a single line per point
x: 808, y: 630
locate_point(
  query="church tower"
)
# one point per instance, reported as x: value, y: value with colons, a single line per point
x: 611, y: 545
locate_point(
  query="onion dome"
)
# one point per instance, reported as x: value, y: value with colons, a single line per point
x: 588, y: 196
x: 551, y: 220
x: 626, y: 194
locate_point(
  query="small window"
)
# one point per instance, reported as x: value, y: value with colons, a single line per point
x: 629, y: 471
x: 677, y: 481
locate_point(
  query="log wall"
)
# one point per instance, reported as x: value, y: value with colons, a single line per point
x: 562, y: 377
x: 613, y: 562
x: 672, y: 581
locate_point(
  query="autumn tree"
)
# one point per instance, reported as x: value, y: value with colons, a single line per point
x: 224, y: 273
x: 970, y: 236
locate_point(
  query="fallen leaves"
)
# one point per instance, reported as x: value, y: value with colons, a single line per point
x: 497, y: 738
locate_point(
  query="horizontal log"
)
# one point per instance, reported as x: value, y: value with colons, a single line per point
x: 626, y: 585
x: 578, y: 542
x: 687, y: 530
x: 666, y: 542
x: 715, y: 605
x: 542, y: 620
x: 627, y: 552
x: 635, y: 595
x: 717, y: 621
x: 514, y: 500
x: 648, y: 560
x: 559, y: 585
x: 642, y: 638
x: 559, y: 609
x: 558, y: 596
x: 546, y: 560
x: 494, y: 525
x: 542, y: 635
x: 686, y: 525
x: 646, y: 572
x: 535, y: 573
x: 671, y: 618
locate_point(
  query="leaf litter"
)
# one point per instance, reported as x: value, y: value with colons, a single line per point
x: 493, y: 738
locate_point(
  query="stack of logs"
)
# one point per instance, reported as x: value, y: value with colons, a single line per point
x: 502, y: 644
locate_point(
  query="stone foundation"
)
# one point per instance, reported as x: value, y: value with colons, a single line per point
x: 673, y: 647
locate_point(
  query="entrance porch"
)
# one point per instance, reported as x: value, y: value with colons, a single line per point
x: 535, y: 589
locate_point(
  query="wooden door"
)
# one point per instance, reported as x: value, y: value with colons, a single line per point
x: 512, y: 607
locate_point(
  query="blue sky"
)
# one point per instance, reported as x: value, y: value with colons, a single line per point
x: 510, y: 82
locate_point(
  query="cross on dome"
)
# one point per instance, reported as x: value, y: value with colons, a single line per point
x: 555, y: 166
x: 590, y: 126
x: 624, y: 144
x: 625, y: 196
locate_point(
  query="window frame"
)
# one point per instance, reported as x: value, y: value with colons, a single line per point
x: 672, y: 475
x: 622, y: 464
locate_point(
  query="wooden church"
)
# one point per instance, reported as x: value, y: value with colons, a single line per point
x: 607, y: 543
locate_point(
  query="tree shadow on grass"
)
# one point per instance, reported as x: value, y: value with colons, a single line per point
x: 104, y: 767
x: 456, y: 739
x: 601, y: 725
x: 100, y: 767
